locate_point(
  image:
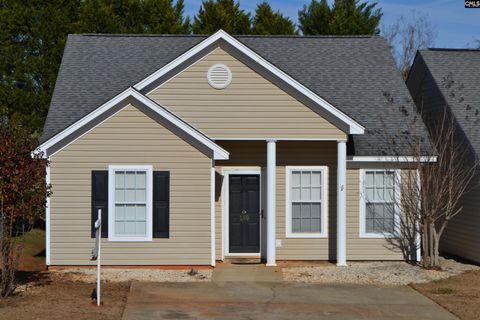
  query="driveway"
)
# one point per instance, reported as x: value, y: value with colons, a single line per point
x: 276, y: 300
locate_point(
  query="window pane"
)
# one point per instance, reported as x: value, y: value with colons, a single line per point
x: 295, y: 194
x: 119, y: 195
x: 119, y: 212
x: 315, y: 225
x: 370, y: 194
x: 140, y: 228
x: 140, y: 213
x: 305, y: 225
x: 305, y: 211
x: 140, y: 180
x: 140, y: 195
x: 296, y: 210
x: 119, y: 179
x: 389, y: 195
x: 378, y: 179
x: 295, y: 178
x: 316, y: 178
x: 369, y: 226
x: 129, y: 227
x: 296, y: 225
x: 316, y: 194
x: 316, y: 210
x: 306, y: 179
x: 130, y: 212
x: 306, y: 193
x: 389, y: 179
x: 130, y: 179
x: 130, y: 195
x: 369, y: 179
x: 119, y: 227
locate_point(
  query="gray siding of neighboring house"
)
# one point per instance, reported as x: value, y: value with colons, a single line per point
x: 462, y: 235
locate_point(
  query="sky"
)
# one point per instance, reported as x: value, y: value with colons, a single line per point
x: 454, y: 26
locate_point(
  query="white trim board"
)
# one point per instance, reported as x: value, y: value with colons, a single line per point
x: 354, y: 127
x: 226, y: 172
x: 407, y: 159
x: 218, y: 152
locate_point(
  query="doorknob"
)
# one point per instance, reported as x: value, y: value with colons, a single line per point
x: 244, y: 211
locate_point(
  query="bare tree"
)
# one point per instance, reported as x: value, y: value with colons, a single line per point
x: 439, y: 171
x: 406, y: 36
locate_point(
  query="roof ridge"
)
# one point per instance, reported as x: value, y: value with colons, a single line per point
x: 139, y: 35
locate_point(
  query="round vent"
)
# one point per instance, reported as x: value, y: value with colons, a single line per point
x: 219, y: 76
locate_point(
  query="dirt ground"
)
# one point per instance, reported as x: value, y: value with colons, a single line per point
x: 459, y: 294
x: 58, y: 297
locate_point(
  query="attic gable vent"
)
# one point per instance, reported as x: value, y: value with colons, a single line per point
x: 219, y: 76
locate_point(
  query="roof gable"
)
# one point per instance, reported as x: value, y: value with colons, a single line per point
x: 114, y: 105
x: 258, y: 63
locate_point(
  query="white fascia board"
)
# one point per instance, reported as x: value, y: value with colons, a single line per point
x: 83, y: 121
x: 392, y: 159
x: 218, y: 152
x: 354, y: 127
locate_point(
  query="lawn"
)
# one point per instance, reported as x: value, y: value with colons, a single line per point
x: 458, y: 294
x: 44, y: 295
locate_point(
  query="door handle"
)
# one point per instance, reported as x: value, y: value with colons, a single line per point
x: 244, y: 211
x: 261, y: 214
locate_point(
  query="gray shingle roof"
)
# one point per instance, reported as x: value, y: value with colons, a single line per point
x: 352, y: 73
x: 460, y: 70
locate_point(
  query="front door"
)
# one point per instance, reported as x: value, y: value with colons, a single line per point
x: 244, y: 213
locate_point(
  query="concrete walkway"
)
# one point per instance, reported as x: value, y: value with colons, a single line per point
x: 276, y: 300
x: 246, y: 273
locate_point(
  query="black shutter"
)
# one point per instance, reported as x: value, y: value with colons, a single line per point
x: 100, y: 200
x: 161, y: 204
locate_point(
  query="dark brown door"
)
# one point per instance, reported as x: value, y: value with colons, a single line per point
x: 244, y: 213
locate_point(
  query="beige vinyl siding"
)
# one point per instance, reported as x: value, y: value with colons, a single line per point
x: 363, y: 248
x: 131, y: 137
x: 250, y: 107
x: 462, y: 235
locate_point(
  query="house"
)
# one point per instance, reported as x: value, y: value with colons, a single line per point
x: 198, y: 149
x: 450, y: 78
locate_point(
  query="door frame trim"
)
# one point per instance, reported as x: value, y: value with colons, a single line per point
x: 226, y: 172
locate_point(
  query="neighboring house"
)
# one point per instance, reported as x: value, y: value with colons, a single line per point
x: 450, y: 78
x: 202, y: 148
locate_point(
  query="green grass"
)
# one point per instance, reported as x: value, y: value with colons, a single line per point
x: 33, y: 253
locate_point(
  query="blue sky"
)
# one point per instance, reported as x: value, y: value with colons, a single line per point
x: 454, y: 26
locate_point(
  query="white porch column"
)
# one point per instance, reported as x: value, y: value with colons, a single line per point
x: 212, y: 213
x: 271, y: 200
x: 341, y: 203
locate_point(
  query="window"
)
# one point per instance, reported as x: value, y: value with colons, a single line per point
x: 130, y: 209
x: 379, y: 213
x: 306, y: 202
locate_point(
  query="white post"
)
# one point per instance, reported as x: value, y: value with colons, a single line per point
x: 271, y: 200
x: 99, y: 218
x: 212, y: 212
x: 341, y: 203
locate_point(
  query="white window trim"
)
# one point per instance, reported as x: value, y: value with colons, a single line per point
x: 397, y: 182
x: 288, y: 203
x: 111, y: 203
